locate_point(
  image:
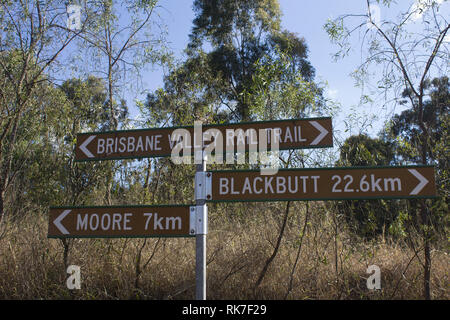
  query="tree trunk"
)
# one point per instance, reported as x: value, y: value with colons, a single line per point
x: 66, y: 245
x: 423, y: 210
x: 275, y: 250
x: 297, y: 258
x: 427, y: 250
x: 2, y: 209
x: 147, y: 179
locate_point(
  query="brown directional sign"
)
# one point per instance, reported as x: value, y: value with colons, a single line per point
x: 324, y: 184
x: 130, y: 221
x: 158, y: 142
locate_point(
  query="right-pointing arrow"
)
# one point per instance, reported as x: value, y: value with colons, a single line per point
x: 323, y: 132
x: 423, y: 181
x: 58, y: 224
x: 83, y: 147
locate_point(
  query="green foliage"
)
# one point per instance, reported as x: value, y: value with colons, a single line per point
x: 253, y: 70
x: 405, y: 131
x: 219, y: 21
x: 20, y: 119
x: 362, y: 150
x: 280, y: 90
x: 246, y: 39
x: 46, y: 173
x: 367, y: 218
x: 405, y: 127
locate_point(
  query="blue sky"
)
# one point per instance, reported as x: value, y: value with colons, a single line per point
x: 306, y: 18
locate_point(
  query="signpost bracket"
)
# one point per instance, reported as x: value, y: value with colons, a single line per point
x: 201, y: 219
x: 203, y: 185
x: 192, y: 220
x: 198, y: 220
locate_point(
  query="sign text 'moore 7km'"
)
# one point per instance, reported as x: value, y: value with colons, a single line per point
x: 118, y: 221
x: 158, y: 142
x: 324, y: 184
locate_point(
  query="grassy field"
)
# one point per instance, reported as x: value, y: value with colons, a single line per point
x: 323, y: 262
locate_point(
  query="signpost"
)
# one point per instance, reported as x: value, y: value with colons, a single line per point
x: 223, y: 186
x: 118, y: 221
x: 157, y: 142
x: 323, y: 184
x: 176, y: 221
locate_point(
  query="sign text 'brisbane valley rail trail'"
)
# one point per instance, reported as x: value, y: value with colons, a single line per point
x: 223, y: 138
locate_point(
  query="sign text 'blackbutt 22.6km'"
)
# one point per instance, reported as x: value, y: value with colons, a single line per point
x: 118, y: 221
x: 323, y: 184
x: 158, y: 142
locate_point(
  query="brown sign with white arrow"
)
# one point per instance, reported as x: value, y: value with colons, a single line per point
x: 130, y: 221
x: 158, y: 142
x: 323, y: 184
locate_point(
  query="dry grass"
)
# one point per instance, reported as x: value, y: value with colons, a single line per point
x: 32, y: 267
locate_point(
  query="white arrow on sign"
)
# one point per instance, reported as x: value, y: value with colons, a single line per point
x: 84, y: 145
x: 323, y: 132
x: 423, y: 181
x: 58, y: 224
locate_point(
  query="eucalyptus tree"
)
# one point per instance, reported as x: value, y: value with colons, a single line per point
x: 33, y: 40
x: 407, y: 50
x: 43, y: 160
x: 126, y: 37
x: 404, y: 132
x: 238, y: 32
x: 230, y: 44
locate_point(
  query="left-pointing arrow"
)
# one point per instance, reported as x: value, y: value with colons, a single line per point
x: 83, y: 147
x: 423, y: 181
x: 58, y: 224
x: 323, y: 132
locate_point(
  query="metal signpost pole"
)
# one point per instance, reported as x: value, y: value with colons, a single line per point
x: 201, y: 226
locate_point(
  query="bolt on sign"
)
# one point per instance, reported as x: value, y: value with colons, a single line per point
x: 159, y: 142
x: 118, y: 221
x: 324, y: 184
